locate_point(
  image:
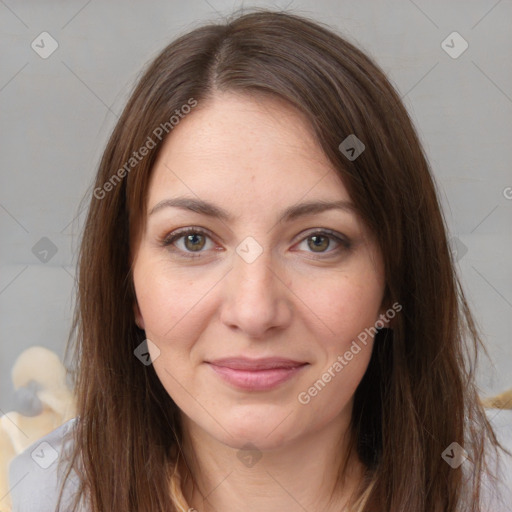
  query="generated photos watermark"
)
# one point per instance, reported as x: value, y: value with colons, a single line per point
x: 137, y: 156
x: 454, y: 455
x: 304, y: 397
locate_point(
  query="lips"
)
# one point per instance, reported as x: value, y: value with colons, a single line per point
x: 270, y: 363
x: 256, y: 374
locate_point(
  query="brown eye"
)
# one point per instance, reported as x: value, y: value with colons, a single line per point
x: 325, y: 243
x: 188, y: 242
x: 319, y: 243
x: 194, y: 242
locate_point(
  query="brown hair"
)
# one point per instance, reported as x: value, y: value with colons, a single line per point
x: 418, y: 394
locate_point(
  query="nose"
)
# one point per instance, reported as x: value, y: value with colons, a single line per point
x: 257, y: 298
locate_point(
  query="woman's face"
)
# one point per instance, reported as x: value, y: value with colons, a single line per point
x: 252, y: 317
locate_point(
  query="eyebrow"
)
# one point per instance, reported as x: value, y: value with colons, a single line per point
x: 289, y: 214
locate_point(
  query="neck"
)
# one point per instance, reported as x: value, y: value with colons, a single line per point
x: 301, y: 475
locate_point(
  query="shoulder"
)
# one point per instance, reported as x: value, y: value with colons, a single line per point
x: 35, y: 475
x: 498, y: 493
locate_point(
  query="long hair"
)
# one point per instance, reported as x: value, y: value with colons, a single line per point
x: 418, y: 394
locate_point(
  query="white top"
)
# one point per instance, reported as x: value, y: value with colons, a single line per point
x: 35, y: 475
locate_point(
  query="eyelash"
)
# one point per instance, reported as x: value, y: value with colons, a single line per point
x: 177, y: 235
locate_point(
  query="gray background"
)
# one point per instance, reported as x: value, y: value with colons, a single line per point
x: 57, y: 113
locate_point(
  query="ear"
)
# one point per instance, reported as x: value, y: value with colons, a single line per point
x: 138, y: 316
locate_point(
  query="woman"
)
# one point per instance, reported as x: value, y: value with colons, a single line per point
x: 268, y: 315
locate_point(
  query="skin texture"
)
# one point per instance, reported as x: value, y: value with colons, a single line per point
x: 254, y: 157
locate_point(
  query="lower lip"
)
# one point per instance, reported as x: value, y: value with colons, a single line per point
x: 256, y: 380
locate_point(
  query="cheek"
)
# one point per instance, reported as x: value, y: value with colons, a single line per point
x: 170, y: 302
x: 350, y: 310
x: 330, y: 394
x: 171, y: 308
x: 347, y: 306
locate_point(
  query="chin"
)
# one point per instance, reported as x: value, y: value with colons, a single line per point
x: 265, y: 428
x: 255, y: 438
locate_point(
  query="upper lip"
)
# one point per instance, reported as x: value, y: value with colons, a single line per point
x: 267, y: 363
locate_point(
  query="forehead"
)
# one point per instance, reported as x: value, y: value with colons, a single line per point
x: 245, y: 151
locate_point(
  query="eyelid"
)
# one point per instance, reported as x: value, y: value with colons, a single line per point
x: 178, y: 233
x: 325, y: 231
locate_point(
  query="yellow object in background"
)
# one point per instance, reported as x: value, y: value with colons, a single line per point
x: 44, y: 402
x: 503, y: 401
